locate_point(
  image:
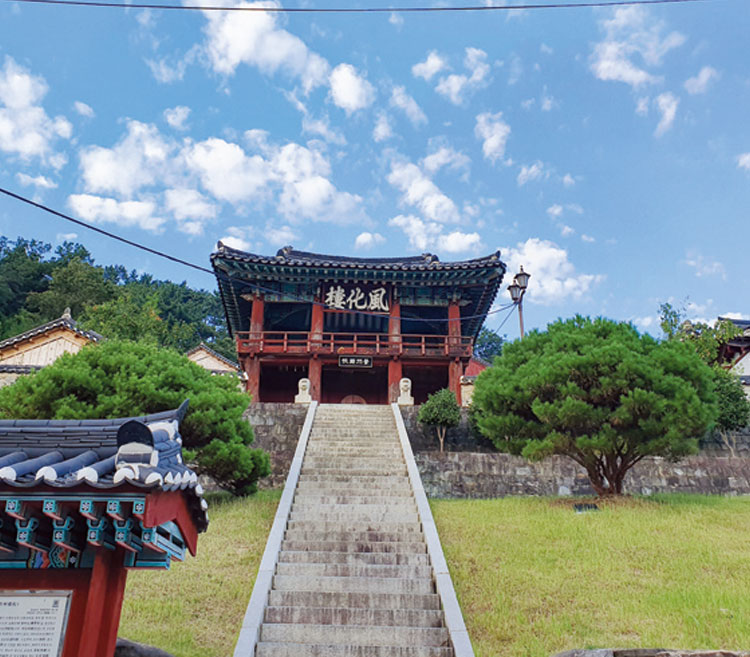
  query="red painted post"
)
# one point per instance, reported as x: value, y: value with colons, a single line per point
x: 316, y: 326
x: 394, y: 327
x: 256, y: 318
x: 395, y: 373
x: 454, y: 323
x: 455, y: 372
x: 251, y: 365
x: 314, y: 373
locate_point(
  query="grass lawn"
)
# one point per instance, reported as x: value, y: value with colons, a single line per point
x: 532, y: 576
x: 535, y: 578
x: 195, y: 609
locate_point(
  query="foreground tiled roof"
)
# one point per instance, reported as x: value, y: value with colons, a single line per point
x: 144, y: 452
x: 18, y: 369
x: 66, y: 321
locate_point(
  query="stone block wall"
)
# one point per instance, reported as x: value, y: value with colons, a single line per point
x: 277, y: 428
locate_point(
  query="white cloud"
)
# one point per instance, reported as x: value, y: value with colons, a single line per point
x: 494, y: 133
x: 667, y: 104
x: 457, y: 87
x: 704, y: 266
x: 531, y: 172
x: 382, y: 130
x: 254, y: 38
x: 428, y: 235
x: 323, y: 128
x: 553, y: 277
x: 368, y: 240
x: 743, y: 161
x: 402, y: 100
x: 699, y: 83
x: 396, y: 19
x: 83, y: 109
x: 349, y: 90
x: 566, y: 231
x: 429, y: 67
x: 633, y: 41
x: 98, y: 209
x: 65, y: 237
x: 419, y: 191
x: 190, y: 208
x: 41, y: 182
x: 546, y: 49
x: 735, y: 315
x: 25, y: 128
x: 568, y: 180
x: 238, y: 237
x: 645, y: 323
x: 548, y: 103
x: 445, y: 157
x: 280, y: 235
x: 555, y: 211
x: 177, y: 117
x: 588, y: 238
x: 138, y: 159
x: 641, y: 106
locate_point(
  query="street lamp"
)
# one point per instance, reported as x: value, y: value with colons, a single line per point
x: 517, y: 290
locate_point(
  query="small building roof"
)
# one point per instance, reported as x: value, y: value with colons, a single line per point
x: 65, y: 321
x: 204, y: 347
x: 67, y: 454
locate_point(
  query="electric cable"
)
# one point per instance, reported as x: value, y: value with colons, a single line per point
x: 221, y: 275
x: 354, y: 10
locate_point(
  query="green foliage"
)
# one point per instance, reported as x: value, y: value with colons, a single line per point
x: 734, y: 408
x: 488, y: 344
x: 704, y: 339
x: 440, y: 411
x: 121, y: 378
x: 599, y: 393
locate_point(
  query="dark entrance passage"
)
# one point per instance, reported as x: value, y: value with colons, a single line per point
x: 341, y: 385
x: 426, y: 380
x: 280, y: 382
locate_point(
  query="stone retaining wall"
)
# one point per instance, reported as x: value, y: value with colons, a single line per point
x: 472, y: 468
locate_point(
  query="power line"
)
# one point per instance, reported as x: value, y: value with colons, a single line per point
x: 354, y: 10
x: 217, y: 274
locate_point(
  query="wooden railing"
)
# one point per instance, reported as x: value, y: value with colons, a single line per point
x: 284, y: 342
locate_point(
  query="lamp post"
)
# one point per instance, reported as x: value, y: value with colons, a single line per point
x: 517, y: 290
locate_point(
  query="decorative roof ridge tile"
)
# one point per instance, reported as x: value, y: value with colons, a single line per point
x: 215, y: 354
x: 66, y: 321
x: 289, y: 256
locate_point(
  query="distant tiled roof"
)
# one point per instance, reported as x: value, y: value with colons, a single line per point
x: 98, y: 454
x: 66, y: 321
x: 739, y: 323
x: 215, y: 354
x: 288, y: 256
x: 745, y: 380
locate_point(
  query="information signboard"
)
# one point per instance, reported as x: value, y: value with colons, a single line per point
x: 33, y: 623
x: 355, y: 361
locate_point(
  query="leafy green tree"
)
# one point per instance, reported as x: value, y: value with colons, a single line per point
x: 734, y: 408
x: 488, y: 344
x: 440, y: 411
x: 599, y: 393
x: 706, y: 340
x: 22, y: 270
x: 121, y: 378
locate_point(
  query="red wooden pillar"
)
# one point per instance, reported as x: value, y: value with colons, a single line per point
x: 395, y: 372
x: 103, y: 605
x: 394, y: 323
x: 455, y: 368
x: 316, y: 325
x: 256, y: 318
x: 314, y: 373
x: 251, y: 365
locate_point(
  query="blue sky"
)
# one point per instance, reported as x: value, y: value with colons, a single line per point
x: 605, y: 150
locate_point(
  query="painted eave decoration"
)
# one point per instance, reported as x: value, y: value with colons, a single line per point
x: 70, y: 487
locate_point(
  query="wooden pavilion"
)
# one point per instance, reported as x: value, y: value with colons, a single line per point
x: 353, y: 326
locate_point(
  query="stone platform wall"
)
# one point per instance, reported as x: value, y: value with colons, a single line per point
x: 471, y: 467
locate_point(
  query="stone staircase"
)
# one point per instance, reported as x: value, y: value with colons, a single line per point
x: 353, y: 577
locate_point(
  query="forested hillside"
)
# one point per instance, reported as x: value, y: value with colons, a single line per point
x: 37, y: 284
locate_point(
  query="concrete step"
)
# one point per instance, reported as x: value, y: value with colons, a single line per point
x: 338, y: 488
x: 310, y: 499
x: 354, y: 635
x: 352, y: 570
x: 343, y: 536
x: 384, y: 558
x: 352, y: 584
x: 353, y: 528
x: 354, y: 470
x: 354, y: 599
x: 351, y: 545
x: 356, y: 479
x: 354, y: 616
x: 266, y: 649
x: 356, y: 513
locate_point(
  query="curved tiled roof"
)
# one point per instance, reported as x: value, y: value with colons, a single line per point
x: 94, y: 453
x: 66, y: 321
x: 290, y: 257
x: 215, y: 354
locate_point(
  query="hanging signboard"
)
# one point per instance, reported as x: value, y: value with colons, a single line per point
x: 33, y: 622
x: 355, y: 361
x: 356, y: 297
